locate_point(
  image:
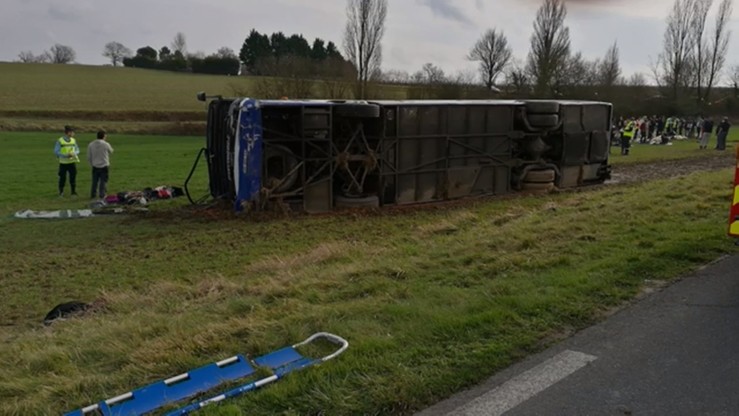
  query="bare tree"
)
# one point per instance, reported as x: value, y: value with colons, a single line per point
x: 493, y: 53
x: 179, y: 44
x: 734, y: 76
x: 466, y: 77
x: 292, y: 77
x: 718, y: 46
x: 432, y: 74
x: 698, y: 29
x: 637, y: 80
x: 225, y: 52
x: 29, y: 57
x: 675, y: 63
x: 517, y: 79
x: 550, y: 46
x: 734, y: 80
x: 396, y: 76
x: 609, y: 70
x: 61, y: 54
x: 577, y: 72
x: 116, y: 52
x: 365, y: 28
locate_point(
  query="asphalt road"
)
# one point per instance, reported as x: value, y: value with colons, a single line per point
x: 675, y: 352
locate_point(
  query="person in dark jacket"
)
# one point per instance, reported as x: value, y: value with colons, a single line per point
x: 706, y: 130
x: 721, y: 132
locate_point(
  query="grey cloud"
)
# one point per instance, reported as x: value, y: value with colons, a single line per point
x: 63, y: 14
x: 447, y: 10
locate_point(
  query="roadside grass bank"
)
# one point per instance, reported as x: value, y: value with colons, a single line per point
x: 431, y: 301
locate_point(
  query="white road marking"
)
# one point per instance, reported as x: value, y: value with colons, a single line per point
x: 525, y: 385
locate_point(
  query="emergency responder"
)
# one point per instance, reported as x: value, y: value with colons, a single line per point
x: 67, y: 152
x: 627, y: 135
x: 669, y: 127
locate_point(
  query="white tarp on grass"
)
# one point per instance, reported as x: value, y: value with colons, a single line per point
x: 53, y: 215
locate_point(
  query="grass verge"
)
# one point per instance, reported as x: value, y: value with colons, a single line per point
x: 431, y: 301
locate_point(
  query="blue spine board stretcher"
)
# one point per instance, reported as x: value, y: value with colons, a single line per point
x: 172, y: 390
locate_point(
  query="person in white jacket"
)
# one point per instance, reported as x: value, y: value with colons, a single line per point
x: 98, y: 155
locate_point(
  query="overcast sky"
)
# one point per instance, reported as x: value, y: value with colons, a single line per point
x: 418, y: 31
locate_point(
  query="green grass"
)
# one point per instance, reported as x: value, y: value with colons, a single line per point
x: 44, y: 97
x: 38, y: 89
x: 431, y: 301
x: 644, y: 153
x: 30, y: 180
x: 46, y: 87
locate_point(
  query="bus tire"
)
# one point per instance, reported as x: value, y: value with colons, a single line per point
x: 543, y: 120
x: 542, y: 107
x: 540, y: 176
x: 537, y: 187
x: 357, y: 110
x: 288, y: 162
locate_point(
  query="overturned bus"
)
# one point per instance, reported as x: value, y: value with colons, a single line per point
x: 317, y: 155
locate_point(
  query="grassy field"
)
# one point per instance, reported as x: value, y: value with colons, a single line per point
x: 43, y: 97
x: 46, y: 87
x: 431, y: 301
x: 644, y: 153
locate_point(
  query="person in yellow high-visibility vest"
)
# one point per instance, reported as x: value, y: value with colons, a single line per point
x: 627, y: 136
x: 67, y: 152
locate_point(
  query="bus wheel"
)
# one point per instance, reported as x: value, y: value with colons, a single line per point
x: 540, y: 176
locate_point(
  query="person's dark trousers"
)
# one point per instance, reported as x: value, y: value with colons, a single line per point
x: 71, y: 169
x: 625, y: 147
x: 721, y: 141
x: 99, y: 182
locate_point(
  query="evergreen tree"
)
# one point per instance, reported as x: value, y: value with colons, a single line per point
x: 255, y: 47
x: 333, y: 51
x: 278, y: 42
x: 318, y: 51
x: 296, y: 45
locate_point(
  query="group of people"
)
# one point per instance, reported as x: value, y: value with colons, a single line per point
x: 98, y: 156
x: 646, y: 129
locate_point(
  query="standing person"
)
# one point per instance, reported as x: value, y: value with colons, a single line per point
x: 626, y: 137
x: 721, y: 132
x: 660, y: 125
x: 698, y: 127
x: 643, y: 128
x: 67, y: 152
x: 706, y: 130
x: 98, y: 155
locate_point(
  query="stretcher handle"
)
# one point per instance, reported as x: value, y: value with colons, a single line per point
x: 328, y: 337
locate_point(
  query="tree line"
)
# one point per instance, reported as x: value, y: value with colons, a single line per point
x: 176, y: 58
x: 684, y: 75
x: 687, y: 70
